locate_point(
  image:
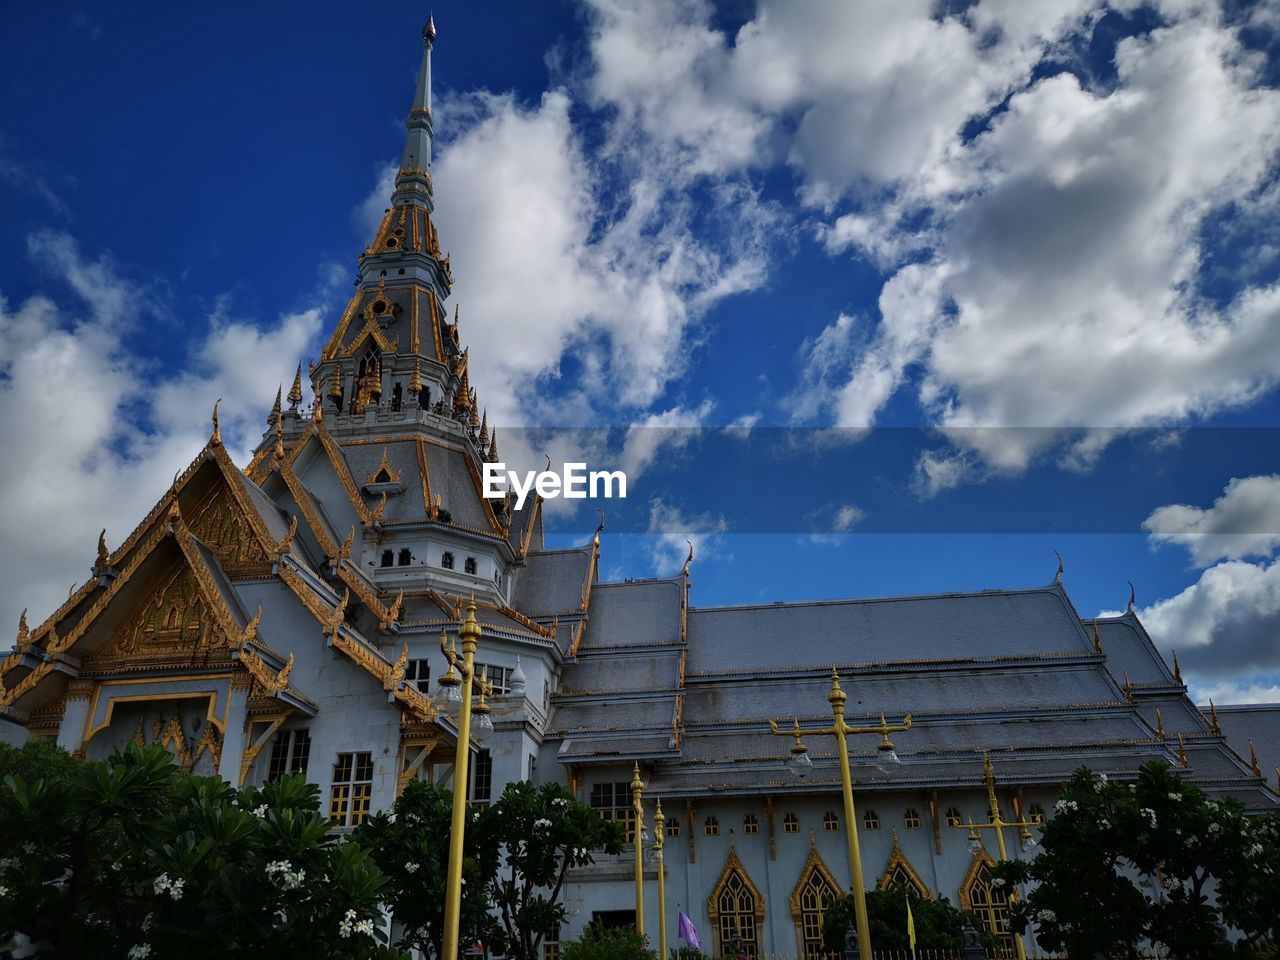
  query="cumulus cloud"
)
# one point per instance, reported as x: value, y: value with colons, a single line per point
x: 1225, y: 626
x: 674, y: 532
x: 93, y: 433
x: 1243, y: 522
x: 581, y: 278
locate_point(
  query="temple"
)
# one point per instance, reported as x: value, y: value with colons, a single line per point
x: 286, y: 617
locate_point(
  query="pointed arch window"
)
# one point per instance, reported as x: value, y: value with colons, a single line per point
x: 899, y: 873
x: 815, y: 890
x: 990, y: 904
x: 736, y: 908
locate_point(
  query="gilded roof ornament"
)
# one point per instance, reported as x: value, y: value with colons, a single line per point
x: 274, y: 416
x: 335, y: 388
x: 383, y: 469
x: 1057, y: 577
x: 415, y: 382
x: 595, y: 540
x: 344, y: 551
x: 1182, y: 752
x: 484, y: 430
x: 279, y: 438
x: 216, y: 439
x: 1177, y: 668
x: 286, y: 544
x: 688, y: 561
x: 1128, y: 688
x: 295, y: 391
x: 103, y: 554
x: 1253, y: 760
x: 376, y: 516
x: 1097, y: 640
x: 251, y: 628
x: 1159, y: 724
x: 1133, y: 595
x: 24, y: 632
x: 1213, y: 719
x: 493, y: 446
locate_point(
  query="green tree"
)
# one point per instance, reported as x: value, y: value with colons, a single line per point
x: 938, y: 924
x: 133, y: 858
x: 612, y: 943
x: 1155, y: 860
x: 545, y: 832
x: 410, y: 845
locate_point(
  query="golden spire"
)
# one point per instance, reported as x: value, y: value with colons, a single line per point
x: 1177, y: 670
x: 216, y: 439
x: 493, y: 446
x: 484, y: 430
x: 1253, y: 760
x: 1213, y: 718
x: 475, y: 415
x: 1097, y: 640
x: 453, y: 327
x: 415, y: 382
x: 335, y: 388
x: 1159, y: 724
x: 295, y: 392
x: 274, y: 415
x: 1182, y: 753
x: 375, y: 384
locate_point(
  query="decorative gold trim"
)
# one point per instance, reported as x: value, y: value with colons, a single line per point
x: 393, y: 474
x: 733, y: 865
x: 301, y: 496
x: 898, y: 860
x: 812, y: 864
x: 980, y: 859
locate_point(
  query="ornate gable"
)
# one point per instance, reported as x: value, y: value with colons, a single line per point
x: 898, y: 871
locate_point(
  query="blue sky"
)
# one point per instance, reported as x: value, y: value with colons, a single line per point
x: 1057, y: 215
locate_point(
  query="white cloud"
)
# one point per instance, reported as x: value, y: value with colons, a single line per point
x: 580, y: 279
x: 93, y: 434
x: 671, y: 533
x: 1235, y: 691
x: 1243, y: 522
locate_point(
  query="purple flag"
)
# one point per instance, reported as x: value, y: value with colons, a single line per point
x: 687, y: 933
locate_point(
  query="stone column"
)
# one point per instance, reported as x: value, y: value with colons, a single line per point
x: 233, y: 738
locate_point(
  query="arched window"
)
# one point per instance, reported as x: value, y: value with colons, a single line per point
x: 953, y: 817
x: 790, y: 823
x: 871, y: 820
x: 387, y: 558
x: 1035, y: 813
x: 446, y: 560
x: 830, y: 822
x: 991, y: 905
x: 898, y: 872
x: 750, y: 825
x: 469, y: 565
x: 711, y: 827
x: 816, y: 888
x: 736, y: 908
x: 911, y: 819
x: 404, y: 557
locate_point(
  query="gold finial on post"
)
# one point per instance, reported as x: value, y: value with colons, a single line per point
x: 295, y: 391
x: 216, y: 439
x: 274, y: 416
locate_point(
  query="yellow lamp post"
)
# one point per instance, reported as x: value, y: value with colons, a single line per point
x: 886, y: 760
x: 637, y: 804
x: 659, y: 838
x: 459, y: 681
x: 998, y: 823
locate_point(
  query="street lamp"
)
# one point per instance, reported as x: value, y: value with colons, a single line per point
x: 637, y: 805
x: 458, y: 682
x: 998, y: 823
x: 659, y: 840
x: 800, y: 764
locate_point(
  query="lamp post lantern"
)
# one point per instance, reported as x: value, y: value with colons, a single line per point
x: 800, y: 764
x: 997, y: 823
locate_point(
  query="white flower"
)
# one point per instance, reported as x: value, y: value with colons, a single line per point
x: 140, y: 951
x: 260, y: 811
x: 1255, y: 850
x: 365, y: 927
x: 4, y: 891
x: 1062, y: 806
x: 1150, y: 815
x: 411, y: 867
x: 1215, y: 828
x: 541, y: 823
x: 1047, y: 916
x: 285, y: 876
x: 560, y: 802
x: 347, y: 924
x: 1104, y: 823
x: 172, y: 887
x: 1175, y: 796
x: 391, y: 818
x: 997, y: 883
x: 147, y: 921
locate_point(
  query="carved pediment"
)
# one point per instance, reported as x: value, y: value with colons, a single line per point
x: 219, y: 522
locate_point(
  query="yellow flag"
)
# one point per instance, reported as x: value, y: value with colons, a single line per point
x: 911, y: 928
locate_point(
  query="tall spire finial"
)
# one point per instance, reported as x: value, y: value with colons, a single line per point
x: 413, y: 182
x: 295, y: 392
x: 274, y: 416
x: 216, y: 438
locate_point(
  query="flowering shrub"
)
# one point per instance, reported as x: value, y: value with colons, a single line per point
x: 134, y: 858
x: 1153, y: 861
